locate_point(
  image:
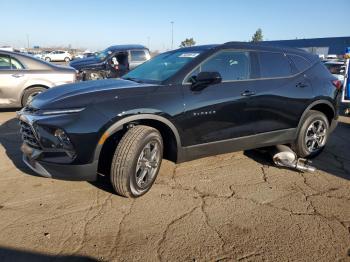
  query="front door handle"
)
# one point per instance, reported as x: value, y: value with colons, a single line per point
x: 17, y: 75
x: 301, y: 84
x: 248, y: 93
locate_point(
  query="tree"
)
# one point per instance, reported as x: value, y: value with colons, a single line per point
x: 258, y: 36
x: 188, y: 42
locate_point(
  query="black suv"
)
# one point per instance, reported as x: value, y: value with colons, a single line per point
x: 114, y: 61
x: 181, y: 105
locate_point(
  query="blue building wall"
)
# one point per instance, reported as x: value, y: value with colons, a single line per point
x: 336, y: 45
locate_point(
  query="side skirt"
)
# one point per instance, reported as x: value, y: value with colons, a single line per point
x: 237, y: 144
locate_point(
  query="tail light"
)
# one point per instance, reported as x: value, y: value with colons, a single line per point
x: 337, y: 84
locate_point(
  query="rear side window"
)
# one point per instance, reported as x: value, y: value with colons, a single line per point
x: 273, y: 65
x: 300, y: 63
x: 138, y: 55
x: 15, y: 64
x: 232, y: 65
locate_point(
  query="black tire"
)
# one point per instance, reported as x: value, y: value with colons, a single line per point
x: 128, y: 155
x: 47, y: 59
x: 66, y: 59
x: 30, y: 93
x: 301, y: 146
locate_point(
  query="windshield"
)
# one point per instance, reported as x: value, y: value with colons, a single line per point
x: 162, y: 66
x: 103, y: 54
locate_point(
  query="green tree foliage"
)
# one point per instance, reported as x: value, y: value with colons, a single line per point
x: 188, y: 42
x: 258, y: 36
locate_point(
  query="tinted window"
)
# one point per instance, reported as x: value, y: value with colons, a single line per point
x: 16, y: 64
x: 231, y: 65
x: 273, y: 65
x: 5, y: 63
x: 300, y: 63
x: 138, y: 55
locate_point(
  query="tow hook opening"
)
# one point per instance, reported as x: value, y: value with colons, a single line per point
x: 284, y: 156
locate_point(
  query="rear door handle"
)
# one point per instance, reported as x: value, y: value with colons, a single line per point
x: 17, y: 75
x: 301, y: 84
x: 248, y: 93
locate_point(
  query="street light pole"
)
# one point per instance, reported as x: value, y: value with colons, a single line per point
x: 172, y: 35
x: 27, y: 41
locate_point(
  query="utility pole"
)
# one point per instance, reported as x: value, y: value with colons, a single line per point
x: 172, y: 35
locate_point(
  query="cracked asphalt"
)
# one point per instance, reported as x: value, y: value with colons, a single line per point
x: 232, y: 207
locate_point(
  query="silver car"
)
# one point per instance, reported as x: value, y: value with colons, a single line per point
x: 22, y: 77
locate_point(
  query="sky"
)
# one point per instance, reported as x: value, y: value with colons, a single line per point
x: 96, y: 24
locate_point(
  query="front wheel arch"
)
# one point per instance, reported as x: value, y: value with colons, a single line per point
x: 29, y: 87
x: 110, y: 138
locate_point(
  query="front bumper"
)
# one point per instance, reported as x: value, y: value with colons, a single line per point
x: 87, y: 172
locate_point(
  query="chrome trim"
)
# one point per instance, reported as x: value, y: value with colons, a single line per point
x: 38, y: 167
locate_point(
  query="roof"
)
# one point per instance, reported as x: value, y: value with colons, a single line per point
x: 125, y: 47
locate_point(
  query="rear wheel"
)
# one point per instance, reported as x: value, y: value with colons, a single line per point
x: 47, y: 59
x: 30, y: 93
x: 313, y: 135
x: 136, y: 161
x: 67, y: 59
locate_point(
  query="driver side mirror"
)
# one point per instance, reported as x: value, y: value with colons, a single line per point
x: 204, y: 79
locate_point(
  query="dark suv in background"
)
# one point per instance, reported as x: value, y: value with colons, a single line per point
x: 181, y: 105
x: 101, y: 65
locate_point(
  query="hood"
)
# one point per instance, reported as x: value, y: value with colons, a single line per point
x: 85, y: 62
x: 79, y: 94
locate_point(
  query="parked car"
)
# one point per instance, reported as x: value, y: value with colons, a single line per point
x: 83, y: 55
x: 181, y: 105
x: 42, y: 54
x: 337, y: 69
x: 101, y: 65
x: 22, y: 77
x: 56, y: 56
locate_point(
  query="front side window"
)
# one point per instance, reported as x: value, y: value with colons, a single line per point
x: 8, y: 63
x: 162, y: 66
x: 274, y: 65
x: 231, y: 65
x: 5, y: 62
x: 138, y: 55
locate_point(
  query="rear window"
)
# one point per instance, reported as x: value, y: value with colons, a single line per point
x: 273, y: 65
x: 300, y: 63
x: 336, y: 69
x: 138, y: 55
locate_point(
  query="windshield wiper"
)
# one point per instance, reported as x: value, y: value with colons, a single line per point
x: 133, y: 79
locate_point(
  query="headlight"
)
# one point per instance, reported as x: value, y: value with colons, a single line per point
x: 62, y: 111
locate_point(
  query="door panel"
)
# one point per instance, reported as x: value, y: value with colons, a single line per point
x: 11, y: 83
x: 216, y: 113
x: 278, y: 103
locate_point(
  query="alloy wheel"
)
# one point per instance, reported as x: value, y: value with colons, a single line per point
x: 147, y: 164
x: 316, y: 136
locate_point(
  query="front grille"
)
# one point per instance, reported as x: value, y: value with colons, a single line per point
x: 28, y: 136
x: 30, y: 110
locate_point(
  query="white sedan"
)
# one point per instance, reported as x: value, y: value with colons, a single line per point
x: 58, y: 56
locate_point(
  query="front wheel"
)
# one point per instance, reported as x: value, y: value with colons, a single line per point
x: 47, y: 59
x: 67, y: 59
x: 30, y: 93
x: 136, y: 161
x: 313, y: 135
